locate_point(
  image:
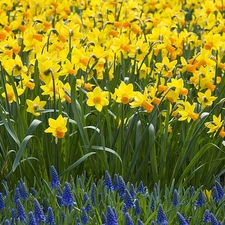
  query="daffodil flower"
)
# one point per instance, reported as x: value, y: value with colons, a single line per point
x: 57, y: 127
x: 98, y: 98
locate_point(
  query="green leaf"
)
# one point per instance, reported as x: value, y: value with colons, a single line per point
x: 21, y: 151
x: 77, y: 163
x: 35, y: 123
x: 101, y: 148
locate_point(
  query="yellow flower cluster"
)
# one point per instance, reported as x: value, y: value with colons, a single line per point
x: 170, y: 51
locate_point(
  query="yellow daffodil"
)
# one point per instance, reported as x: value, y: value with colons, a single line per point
x: 124, y: 93
x: 15, y: 66
x: 57, y: 127
x: 142, y: 100
x: 35, y: 105
x: 11, y: 96
x: 166, y: 67
x: 98, y: 98
x: 205, y: 99
x: 214, y: 125
x: 187, y: 113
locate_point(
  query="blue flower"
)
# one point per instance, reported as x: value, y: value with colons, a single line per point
x: 206, y: 218
x: 84, y: 216
x: 215, y: 194
x: 5, y: 188
x: 132, y: 191
x: 20, y: 211
x: 116, y: 182
x: 86, y: 203
x: 122, y: 187
x: 38, y: 212
x: 128, y: 200
x: 50, y: 217
x: 55, y: 182
x: 128, y: 220
x: 16, y: 195
x: 140, y: 222
x: 67, y: 197
x: 214, y: 221
x: 32, y: 220
x: 6, y: 222
x: 33, y: 191
x: 103, y: 218
x: 175, y: 201
x: 108, y: 181
x: 152, y: 204
x: 161, y: 217
x: 181, y: 219
x: 220, y: 190
x: 23, y: 191
x: 141, y: 188
x: 137, y: 207
x: 200, y: 200
x: 111, y: 218
x: 92, y: 197
x: 2, y: 203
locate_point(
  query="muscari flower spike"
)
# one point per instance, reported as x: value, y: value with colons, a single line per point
x: 161, y: 217
x: 206, y: 218
x: 116, y: 182
x: 214, y: 221
x: 200, y: 200
x: 141, y: 188
x: 50, y: 217
x: 23, y: 191
x: 38, y: 212
x: 55, y: 182
x: 16, y: 195
x: 111, y: 218
x: 32, y: 220
x: 220, y: 190
x: 2, y: 202
x: 108, y: 181
x: 137, y: 207
x: 128, y: 220
x: 103, y: 217
x: 86, y: 203
x: 153, y: 204
x: 20, y: 212
x: 140, y: 222
x: 5, y: 188
x: 84, y: 216
x: 122, y: 187
x: 132, y: 191
x: 6, y: 222
x: 33, y: 191
x: 67, y: 197
x: 92, y: 197
x: 175, y: 201
x: 181, y: 219
x: 128, y: 200
x: 215, y: 194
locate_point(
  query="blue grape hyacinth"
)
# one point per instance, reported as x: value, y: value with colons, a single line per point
x: 108, y: 181
x: 2, y: 202
x: 200, y: 200
x: 55, y: 182
x: 67, y: 196
x: 38, y: 212
x: 161, y: 217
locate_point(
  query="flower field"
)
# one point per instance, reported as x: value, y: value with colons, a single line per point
x: 135, y: 88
